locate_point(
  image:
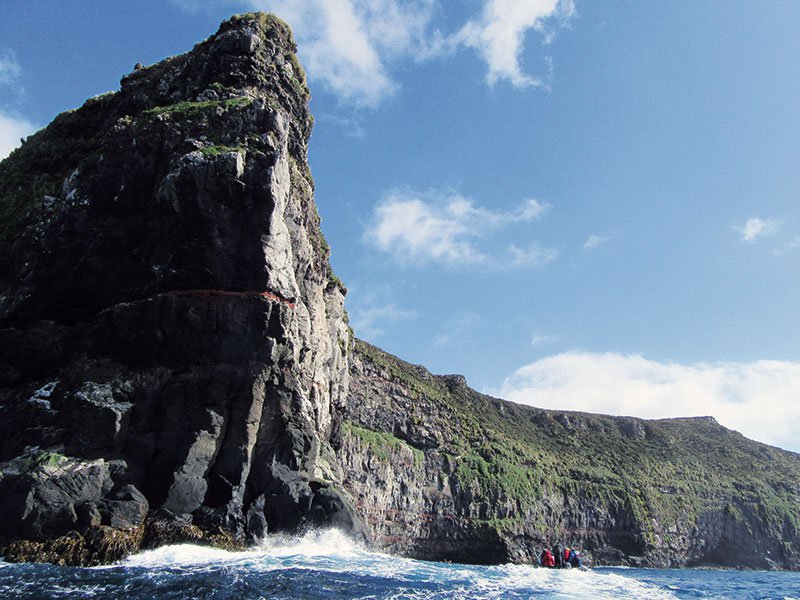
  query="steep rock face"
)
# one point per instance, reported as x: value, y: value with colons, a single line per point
x: 173, y: 343
x: 441, y: 472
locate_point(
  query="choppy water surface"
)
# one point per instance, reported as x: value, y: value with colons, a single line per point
x: 328, y: 565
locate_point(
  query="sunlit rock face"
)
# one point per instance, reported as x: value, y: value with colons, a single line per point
x: 173, y: 344
x: 440, y: 471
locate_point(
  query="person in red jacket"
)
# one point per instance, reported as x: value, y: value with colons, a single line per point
x: 547, y: 559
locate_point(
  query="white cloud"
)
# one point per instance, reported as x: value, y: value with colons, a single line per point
x: 12, y: 128
x: 370, y: 322
x: 540, y: 338
x: 352, y: 126
x: 457, y: 328
x: 353, y: 46
x: 593, y: 241
x: 193, y: 6
x: 9, y: 68
x: 10, y: 73
x: 530, y: 210
x: 411, y: 228
x: 759, y: 399
x: 445, y: 228
x: 756, y: 228
x: 347, y: 44
x: 532, y: 256
x: 499, y: 34
x: 787, y: 247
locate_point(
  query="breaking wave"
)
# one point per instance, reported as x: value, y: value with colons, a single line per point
x: 328, y: 564
x: 336, y: 562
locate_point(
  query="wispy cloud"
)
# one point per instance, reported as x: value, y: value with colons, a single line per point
x: 756, y: 228
x: 458, y: 327
x: 354, y: 47
x: 532, y: 256
x: 9, y: 68
x: 759, y: 398
x: 541, y: 338
x: 447, y: 227
x: 352, y: 126
x: 593, y: 241
x: 498, y: 35
x: 787, y: 247
x: 13, y: 128
x: 370, y: 322
x: 349, y: 44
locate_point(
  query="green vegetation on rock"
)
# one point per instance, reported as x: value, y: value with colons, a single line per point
x: 39, y: 167
x: 280, y: 31
x: 211, y: 151
x: 656, y: 479
x: 49, y: 459
x: 383, y: 445
x: 188, y: 110
x: 34, y: 459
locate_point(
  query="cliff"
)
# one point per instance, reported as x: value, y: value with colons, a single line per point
x: 172, y: 338
x: 176, y: 365
x: 440, y: 471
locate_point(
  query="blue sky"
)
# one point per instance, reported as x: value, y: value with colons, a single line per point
x: 588, y: 205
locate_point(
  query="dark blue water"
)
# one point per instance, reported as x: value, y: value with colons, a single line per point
x: 328, y: 565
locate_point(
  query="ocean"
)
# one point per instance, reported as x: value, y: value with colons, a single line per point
x: 328, y: 565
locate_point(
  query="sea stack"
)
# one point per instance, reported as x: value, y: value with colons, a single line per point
x: 173, y: 341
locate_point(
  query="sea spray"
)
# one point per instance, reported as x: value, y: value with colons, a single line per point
x: 327, y: 564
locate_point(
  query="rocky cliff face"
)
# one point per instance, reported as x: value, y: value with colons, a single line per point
x: 176, y: 365
x: 173, y: 343
x: 441, y: 472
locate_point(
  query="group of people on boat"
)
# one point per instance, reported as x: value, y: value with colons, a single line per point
x: 558, y: 558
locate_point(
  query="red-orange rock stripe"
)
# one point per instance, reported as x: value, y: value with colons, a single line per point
x: 248, y: 294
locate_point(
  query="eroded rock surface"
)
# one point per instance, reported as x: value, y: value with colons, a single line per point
x: 172, y: 338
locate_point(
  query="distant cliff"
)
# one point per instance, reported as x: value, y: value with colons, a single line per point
x: 173, y: 344
x: 440, y: 471
x: 176, y: 365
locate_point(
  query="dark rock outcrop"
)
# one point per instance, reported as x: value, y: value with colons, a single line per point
x: 172, y: 339
x: 176, y: 365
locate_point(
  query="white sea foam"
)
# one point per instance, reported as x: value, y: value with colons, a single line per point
x: 182, y: 555
x: 334, y: 552
x: 323, y: 542
x: 501, y: 581
x: 273, y: 552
